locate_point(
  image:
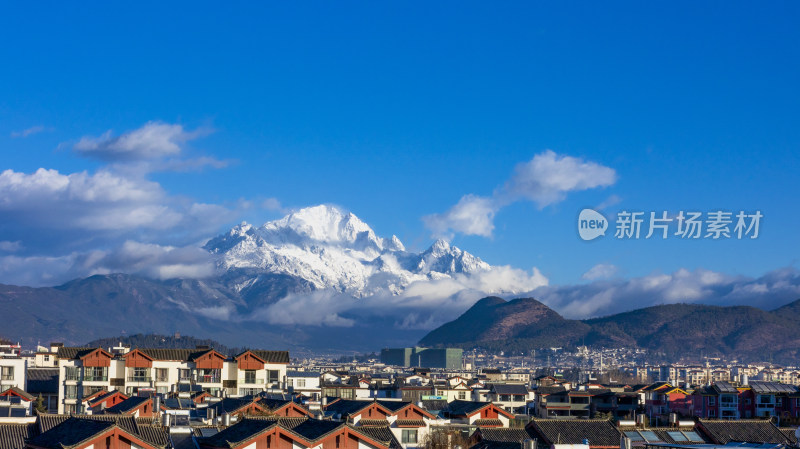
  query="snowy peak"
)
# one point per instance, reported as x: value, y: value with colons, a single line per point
x: 331, y: 248
x: 443, y: 258
x: 325, y: 225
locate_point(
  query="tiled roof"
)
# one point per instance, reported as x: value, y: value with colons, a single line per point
x: 274, y: 404
x: 373, y: 422
x: 154, y: 434
x: 19, y: 392
x: 70, y: 433
x: 48, y: 421
x: 745, y: 430
x: 508, y: 389
x: 14, y: 436
x: 272, y: 356
x: 347, y: 406
x: 459, y: 408
x: 68, y: 352
x: 314, y: 429
x: 394, y: 406
x: 410, y: 423
x: 599, y: 432
x: 179, y: 354
x: 381, y: 434
x: 128, y: 404
x: 237, y: 433
x: 42, y: 380
x: 488, y: 422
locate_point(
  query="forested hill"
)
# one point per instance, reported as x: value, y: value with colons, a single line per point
x: 162, y: 341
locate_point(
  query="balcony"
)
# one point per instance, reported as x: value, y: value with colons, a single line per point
x: 209, y: 379
x: 252, y: 381
x: 139, y: 378
x: 95, y: 378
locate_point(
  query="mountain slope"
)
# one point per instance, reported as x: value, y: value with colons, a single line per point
x: 675, y: 329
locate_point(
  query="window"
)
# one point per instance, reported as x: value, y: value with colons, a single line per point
x: 184, y: 374
x: 6, y: 373
x: 272, y: 376
x: 249, y: 391
x: 71, y: 373
x: 95, y: 373
x: 712, y: 400
x: 46, y: 358
x: 250, y: 376
x: 300, y: 383
x: 138, y: 375
x: 71, y: 391
x: 462, y: 395
x: 409, y: 436
x: 162, y: 375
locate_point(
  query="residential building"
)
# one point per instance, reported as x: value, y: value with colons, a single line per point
x: 86, y: 371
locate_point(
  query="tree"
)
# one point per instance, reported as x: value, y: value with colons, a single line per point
x: 39, y: 404
x: 445, y: 439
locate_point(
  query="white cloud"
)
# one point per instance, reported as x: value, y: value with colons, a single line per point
x: 99, y: 201
x: 29, y: 132
x: 423, y: 304
x: 472, y: 215
x: 600, y: 271
x: 604, y: 297
x: 144, y: 259
x: 546, y: 179
x: 10, y: 247
x: 151, y: 141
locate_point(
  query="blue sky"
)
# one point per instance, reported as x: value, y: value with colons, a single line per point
x: 396, y: 111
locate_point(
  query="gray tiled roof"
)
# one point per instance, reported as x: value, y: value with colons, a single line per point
x: 745, y: 430
x: 70, y: 433
x: 272, y: 356
x: 380, y: 433
x: 71, y: 352
x: 128, y: 404
x: 128, y: 423
x: 508, y: 389
x: 462, y: 408
x: 599, y: 432
x: 14, y: 436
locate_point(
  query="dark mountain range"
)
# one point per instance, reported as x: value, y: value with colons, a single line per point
x: 746, y: 333
x: 102, y: 306
x: 162, y: 342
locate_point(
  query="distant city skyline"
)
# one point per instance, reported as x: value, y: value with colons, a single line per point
x: 132, y: 141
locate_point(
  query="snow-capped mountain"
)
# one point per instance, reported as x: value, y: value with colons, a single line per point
x: 333, y: 249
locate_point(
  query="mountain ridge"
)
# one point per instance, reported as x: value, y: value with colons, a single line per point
x: 732, y: 331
